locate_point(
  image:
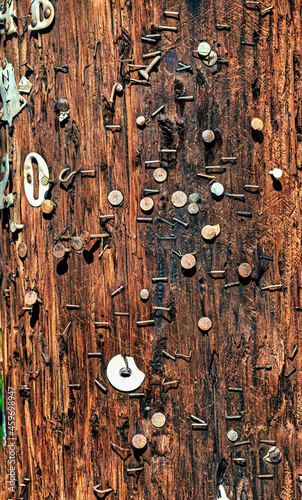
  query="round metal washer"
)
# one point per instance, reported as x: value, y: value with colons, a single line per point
x: 139, y: 441
x: 194, y: 198
x: 158, y: 419
x: 160, y: 174
x: 208, y: 232
x: 193, y: 209
x: 188, y: 261
x: 204, y: 324
x: 77, y: 244
x: 146, y: 204
x: 245, y: 270
x: 115, y: 198
x: 30, y: 298
x: 232, y: 435
x: 22, y: 250
x: 211, y: 59
x: 59, y: 250
x: 179, y: 199
x: 204, y: 49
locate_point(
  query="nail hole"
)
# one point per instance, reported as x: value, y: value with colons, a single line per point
x: 35, y: 178
x: 41, y: 12
x: 125, y: 372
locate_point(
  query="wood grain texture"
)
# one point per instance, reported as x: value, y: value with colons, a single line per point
x: 64, y: 434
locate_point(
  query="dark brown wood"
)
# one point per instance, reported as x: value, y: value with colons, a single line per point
x: 65, y: 433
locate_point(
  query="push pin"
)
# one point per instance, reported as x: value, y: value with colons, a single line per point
x: 276, y: 173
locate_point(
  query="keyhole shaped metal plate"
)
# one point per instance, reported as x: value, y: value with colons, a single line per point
x: 115, y: 376
x: 41, y: 24
x: 28, y: 179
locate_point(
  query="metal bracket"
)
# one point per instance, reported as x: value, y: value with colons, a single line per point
x: 28, y: 179
x: 6, y: 16
x: 5, y: 200
x: 12, y: 100
x: 35, y: 13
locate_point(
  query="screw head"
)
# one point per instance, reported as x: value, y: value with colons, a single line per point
x: 244, y: 270
x: 47, y: 13
x: 204, y: 324
x: 158, y: 420
x: 208, y: 136
x: 179, y: 199
x: 188, y: 261
x: 160, y: 174
x: 146, y: 204
x: 115, y: 198
x: 193, y: 208
x: 139, y: 441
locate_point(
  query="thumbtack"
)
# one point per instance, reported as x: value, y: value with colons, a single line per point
x: 30, y: 68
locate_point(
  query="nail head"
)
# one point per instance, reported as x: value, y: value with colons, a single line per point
x: 245, y: 270
x: 47, y: 206
x: 139, y: 441
x: 204, y: 324
x: 158, y: 420
x: 232, y: 435
x: 188, y: 261
x: 204, y: 49
x: 146, y: 204
x: 179, y: 199
x: 115, y: 198
x: 208, y: 136
x: 22, y: 250
x: 193, y: 208
x: 160, y: 174
x: 257, y: 124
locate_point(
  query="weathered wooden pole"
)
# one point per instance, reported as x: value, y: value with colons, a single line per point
x: 71, y: 436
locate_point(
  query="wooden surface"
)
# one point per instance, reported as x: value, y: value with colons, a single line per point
x: 64, y: 434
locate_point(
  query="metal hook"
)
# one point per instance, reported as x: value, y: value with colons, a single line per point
x: 65, y: 178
